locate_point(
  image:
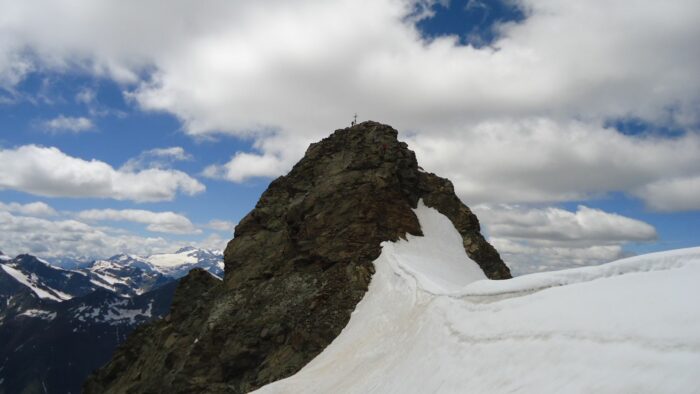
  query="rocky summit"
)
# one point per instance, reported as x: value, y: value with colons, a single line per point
x: 297, y: 267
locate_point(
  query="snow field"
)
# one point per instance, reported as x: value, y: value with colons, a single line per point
x: 27, y: 281
x: 431, y: 323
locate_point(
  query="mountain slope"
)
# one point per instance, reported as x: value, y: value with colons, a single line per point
x: 58, y: 325
x: 125, y: 275
x: 46, y: 281
x: 52, y: 347
x: 28, y: 283
x: 299, y: 264
x: 627, y: 326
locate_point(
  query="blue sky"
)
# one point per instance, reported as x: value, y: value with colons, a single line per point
x: 122, y: 133
x: 566, y: 155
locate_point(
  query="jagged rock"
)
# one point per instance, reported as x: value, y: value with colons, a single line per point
x: 297, y: 267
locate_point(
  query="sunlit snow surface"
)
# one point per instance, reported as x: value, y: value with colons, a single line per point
x: 430, y: 323
x: 33, y: 284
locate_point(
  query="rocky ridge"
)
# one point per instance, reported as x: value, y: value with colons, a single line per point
x: 297, y: 267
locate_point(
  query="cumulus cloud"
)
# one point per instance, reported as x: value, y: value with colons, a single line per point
x: 221, y: 225
x: 523, y: 258
x: 163, y: 222
x: 212, y: 242
x: 47, y: 171
x: 37, y: 208
x: 156, y: 158
x: 674, y: 194
x: 62, y: 124
x: 554, y: 238
x: 539, y: 160
x: 71, y: 238
x: 522, y: 120
x: 243, y: 166
x: 284, y: 73
x: 556, y: 226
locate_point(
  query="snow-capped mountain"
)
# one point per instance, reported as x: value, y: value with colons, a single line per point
x: 57, y: 325
x: 178, y: 264
x: 142, y: 273
x: 122, y: 274
x: 53, y: 346
x: 125, y: 274
x: 46, y: 281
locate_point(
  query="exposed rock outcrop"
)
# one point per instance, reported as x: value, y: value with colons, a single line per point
x: 297, y: 267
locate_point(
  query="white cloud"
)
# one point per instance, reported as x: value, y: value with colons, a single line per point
x: 274, y: 66
x: 675, y: 194
x: 47, y: 171
x: 86, y: 96
x: 163, y: 222
x: 37, y: 208
x: 221, y: 225
x: 71, y: 238
x: 243, y: 166
x: 156, y: 158
x: 499, y: 123
x: 532, y: 239
x: 518, y: 121
x: 174, y: 152
x: 523, y: 258
x: 69, y: 124
x: 213, y: 242
x: 556, y: 226
x: 539, y: 160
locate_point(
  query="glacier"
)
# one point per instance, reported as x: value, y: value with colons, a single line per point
x: 432, y: 323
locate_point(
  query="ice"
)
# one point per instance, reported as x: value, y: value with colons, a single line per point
x: 429, y: 324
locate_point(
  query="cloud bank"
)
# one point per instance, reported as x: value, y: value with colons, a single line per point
x: 71, y: 238
x: 284, y: 73
x: 46, y: 171
x: 162, y: 222
x: 525, y: 120
x: 533, y: 239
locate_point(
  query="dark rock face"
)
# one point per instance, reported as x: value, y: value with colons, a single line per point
x: 297, y: 267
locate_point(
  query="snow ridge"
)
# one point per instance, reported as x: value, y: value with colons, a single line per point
x: 32, y: 285
x: 428, y: 323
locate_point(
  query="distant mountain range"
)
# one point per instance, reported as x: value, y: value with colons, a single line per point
x: 58, y: 324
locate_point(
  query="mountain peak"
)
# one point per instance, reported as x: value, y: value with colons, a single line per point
x: 297, y: 267
x: 124, y: 258
x: 28, y: 260
x: 186, y: 249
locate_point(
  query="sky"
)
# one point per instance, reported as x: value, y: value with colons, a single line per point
x: 570, y: 128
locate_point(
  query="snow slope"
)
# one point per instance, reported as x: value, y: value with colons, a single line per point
x: 33, y: 284
x: 431, y: 323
